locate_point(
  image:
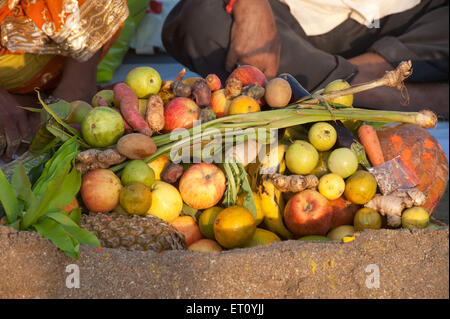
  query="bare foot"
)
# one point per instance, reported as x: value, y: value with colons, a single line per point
x: 432, y: 96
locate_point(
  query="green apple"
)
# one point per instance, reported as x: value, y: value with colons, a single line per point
x: 301, y: 157
x: 338, y: 85
x: 144, y: 81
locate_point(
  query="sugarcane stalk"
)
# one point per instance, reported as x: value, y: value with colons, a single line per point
x: 394, y: 78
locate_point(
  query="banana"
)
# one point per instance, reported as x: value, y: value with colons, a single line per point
x: 272, y: 202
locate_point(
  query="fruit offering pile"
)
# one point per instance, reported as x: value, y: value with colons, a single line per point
x: 313, y: 178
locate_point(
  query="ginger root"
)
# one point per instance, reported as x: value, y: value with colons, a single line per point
x: 94, y: 159
x: 233, y: 87
x: 294, y: 183
x: 154, y: 114
x: 394, y: 204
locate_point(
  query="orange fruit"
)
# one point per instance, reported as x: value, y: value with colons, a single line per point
x: 188, y: 227
x: 243, y: 104
x: 367, y: 218
x: 234, y: 227
x: 262, y: 237
x: 136, y: 198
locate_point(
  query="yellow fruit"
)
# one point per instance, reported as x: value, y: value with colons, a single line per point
x: 136, y: 198
x: 166, y: 201
x: 243, y: 104
x: 205, y: 245
x: 234, y: 227
x: 367, y: 218
x: 137, y: 171
x: 206, y: 221
x: 259, y: 212
x: 331, y: 186
x: 158, y: 165
x: 340, y: 232
x: 415, y: 217
x: 360, y: 187
x: 262, y: 237
x: 338, y: 85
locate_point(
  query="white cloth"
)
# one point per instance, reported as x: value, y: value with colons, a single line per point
x: 321, y: 16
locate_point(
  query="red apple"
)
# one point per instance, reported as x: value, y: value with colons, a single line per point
x: 343, y: 212
x: 308, y: 213
x: 181, y: 112
x: 248, y: 74
x: 100, y: 189
x: 202, y: 185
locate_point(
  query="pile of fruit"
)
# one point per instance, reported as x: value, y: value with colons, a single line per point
x: 106, y: 173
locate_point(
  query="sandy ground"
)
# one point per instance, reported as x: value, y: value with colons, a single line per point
x: 377, y: 264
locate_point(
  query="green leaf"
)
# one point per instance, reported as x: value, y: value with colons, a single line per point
x: 75, y: 215
x: 8, y: 199
x: 231, y: 192
x: 53, y: 231
x: 81, y: 235
x: 68, y: 190
x: 49, y: 183
x: 249, y: 201
x: 360, y: 153
x: 21, y: 185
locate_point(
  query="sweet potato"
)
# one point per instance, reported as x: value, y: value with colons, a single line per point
x: 129, y: 107
x: 136, y: 146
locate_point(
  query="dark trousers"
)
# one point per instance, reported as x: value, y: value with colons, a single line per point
x: 197, y: 34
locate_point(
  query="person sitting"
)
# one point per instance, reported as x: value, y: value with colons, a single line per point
x: 319, y: 41
x: 53, y: 47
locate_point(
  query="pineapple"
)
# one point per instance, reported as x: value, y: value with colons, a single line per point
x: 133, y: 232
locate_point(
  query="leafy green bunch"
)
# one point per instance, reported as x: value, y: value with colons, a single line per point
x: 39, y: 207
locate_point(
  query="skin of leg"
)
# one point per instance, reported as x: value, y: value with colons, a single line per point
x: 432, y: 96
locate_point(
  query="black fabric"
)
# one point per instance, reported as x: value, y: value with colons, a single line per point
x: 197, y: 34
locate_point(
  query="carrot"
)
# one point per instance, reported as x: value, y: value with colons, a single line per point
x: 369, y: 139
x: 129, y: 107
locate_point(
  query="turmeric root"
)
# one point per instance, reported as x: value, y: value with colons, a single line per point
x: 94, y: 159
x: 294, y: 183
x: 394, y: 204
x: 154, y: 115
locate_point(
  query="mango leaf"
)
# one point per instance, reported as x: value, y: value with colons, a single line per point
x: 249, y: 201
x: 68, y: 190
x: 75, y: 215
x: 48, y: 185
x: 81, y: 235
x: 231, y: 192
x: 8, y: 199
x: 53, y: 231
x: 21, y: 185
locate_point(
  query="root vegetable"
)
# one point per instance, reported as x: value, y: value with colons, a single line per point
x: 254, y: 91
x: 201, y: 93
x: 136, y: 146
x: 92, y: 159
x: 369, y: 139
x: 233, y: 87
x: 180, y: 75
x: 206, y: 114
x: 213, y: 82
x: 154, y: 114
x: 392, y: 205
x: 129, y: 107
x: 172, y: 173
x: 180, y: 89
x: 294, y: 183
